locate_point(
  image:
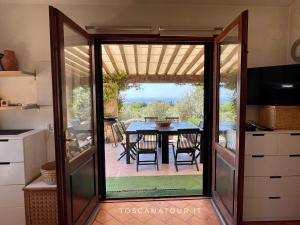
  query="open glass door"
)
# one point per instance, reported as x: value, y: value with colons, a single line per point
x: 75, y: 133
x: 230, y: 83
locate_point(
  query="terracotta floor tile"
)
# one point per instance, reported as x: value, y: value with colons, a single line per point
x: 115, y: 168
x: 103, y: 216
x: 165, y: 212
x: 155, y: 221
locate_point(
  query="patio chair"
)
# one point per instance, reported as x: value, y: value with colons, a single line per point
x: 186, y: 144
x: 150, y: 118
x: 147, y: 147
x: 123, y: 127
x: 172, y: 119
x: 119, y: 138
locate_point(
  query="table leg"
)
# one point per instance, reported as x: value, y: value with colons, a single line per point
x: 165, y: 148
x: 159, y: 140
x: 127, y: 149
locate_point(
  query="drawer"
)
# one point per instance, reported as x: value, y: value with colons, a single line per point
x: 271, y: 209
x: 272, y: 166
x: 271, y: 186
x: 12, y: 173
x: 262, y: 144
x: 11, y: 150
x: 12, y: 216
x: 11, y: 196
x: 289, y: 144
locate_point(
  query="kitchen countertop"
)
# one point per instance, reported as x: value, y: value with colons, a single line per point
x: 21, y: 136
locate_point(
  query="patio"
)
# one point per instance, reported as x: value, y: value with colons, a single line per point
x: 122, y: 180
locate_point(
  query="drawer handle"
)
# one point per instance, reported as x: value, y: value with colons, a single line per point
x: 258, y: 134
x: 258, y: 156
x: 3, y: 140
x: 4, y: 163
x: 295, y: 134
x: 275, y: 177
x: 295, y: 155
x: 274, y: 197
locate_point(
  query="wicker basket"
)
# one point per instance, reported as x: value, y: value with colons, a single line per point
x: 280, y: 117
x: 48, y: 172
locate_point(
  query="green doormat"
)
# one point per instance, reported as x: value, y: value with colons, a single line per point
x: 152, y: 186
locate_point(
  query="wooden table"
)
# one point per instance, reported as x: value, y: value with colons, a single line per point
x: 164, y: 132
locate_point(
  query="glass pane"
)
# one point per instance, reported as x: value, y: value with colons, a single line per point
x: 79, y: 134
x: 228, y: 89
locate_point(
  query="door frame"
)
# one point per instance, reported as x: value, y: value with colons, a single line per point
x: 242, y: 22
x: 208, y: 93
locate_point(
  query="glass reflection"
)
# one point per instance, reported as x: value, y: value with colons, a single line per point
x: 78, y: 93
x: 228, y: 90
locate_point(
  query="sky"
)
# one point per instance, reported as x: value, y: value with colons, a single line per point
x: 158, y: 90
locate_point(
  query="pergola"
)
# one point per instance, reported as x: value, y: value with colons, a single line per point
x: 152, y: 63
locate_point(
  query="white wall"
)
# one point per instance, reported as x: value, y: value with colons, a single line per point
x: 25, y: 29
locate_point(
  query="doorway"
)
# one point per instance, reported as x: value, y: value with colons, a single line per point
x: 144, y: 83
x: 222, y: 168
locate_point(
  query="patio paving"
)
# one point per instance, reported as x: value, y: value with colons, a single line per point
x: 115, y: 168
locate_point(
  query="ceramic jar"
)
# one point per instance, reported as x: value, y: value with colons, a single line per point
x: 9, y: 61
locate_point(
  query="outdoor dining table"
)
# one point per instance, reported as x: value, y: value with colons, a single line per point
x: 164, y: 132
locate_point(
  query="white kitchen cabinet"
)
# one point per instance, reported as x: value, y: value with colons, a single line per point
x: 21, y: 157
x: 272, y: 176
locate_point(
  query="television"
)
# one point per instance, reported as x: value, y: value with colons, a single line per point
x: 275, y: 85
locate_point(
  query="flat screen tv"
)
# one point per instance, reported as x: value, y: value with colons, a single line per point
x: 275, y: 85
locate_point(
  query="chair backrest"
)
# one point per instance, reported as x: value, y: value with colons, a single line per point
x: 172, y: 119
x: 123, y: 126
x: 151, y: 119
x: 150, y: 134
x: 188, y: 137
x: 116, y: 130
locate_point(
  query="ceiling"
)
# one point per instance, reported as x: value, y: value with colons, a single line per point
x: 152, y: 63
x: 163, y: 2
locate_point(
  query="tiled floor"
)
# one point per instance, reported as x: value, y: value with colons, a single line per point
x: 115, y: 168
x: 158, y: 212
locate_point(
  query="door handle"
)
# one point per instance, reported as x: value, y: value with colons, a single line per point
x: 275, y: 197
x: 258, y: 134
x: 296, y: 155
x: 295, y: 134
x: 275, y: 177
x: 3, y: 140
x: 4, y: 163
x: 258, y: 156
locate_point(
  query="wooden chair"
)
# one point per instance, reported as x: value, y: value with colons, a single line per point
x: 148, y: 146
x: 119, y: 138
x: 151, y: 119
x: 186, y: 143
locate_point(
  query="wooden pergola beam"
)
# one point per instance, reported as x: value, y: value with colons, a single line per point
x: 121, y: 47
x: 164, y: 79
x: 148, y: 58
x: 196, y: 58
x: 136, y: 59
x: 110, y: 56
x: 105, y: 67
x: 175, y: 52
x: 184, y: 58
x: 161, y: 56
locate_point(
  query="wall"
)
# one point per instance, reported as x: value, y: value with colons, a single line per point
x: 25, y: 28
x: 294, y: 26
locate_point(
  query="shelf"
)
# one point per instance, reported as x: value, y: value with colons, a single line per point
x: 17, y: 74
x: 7, y: 108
